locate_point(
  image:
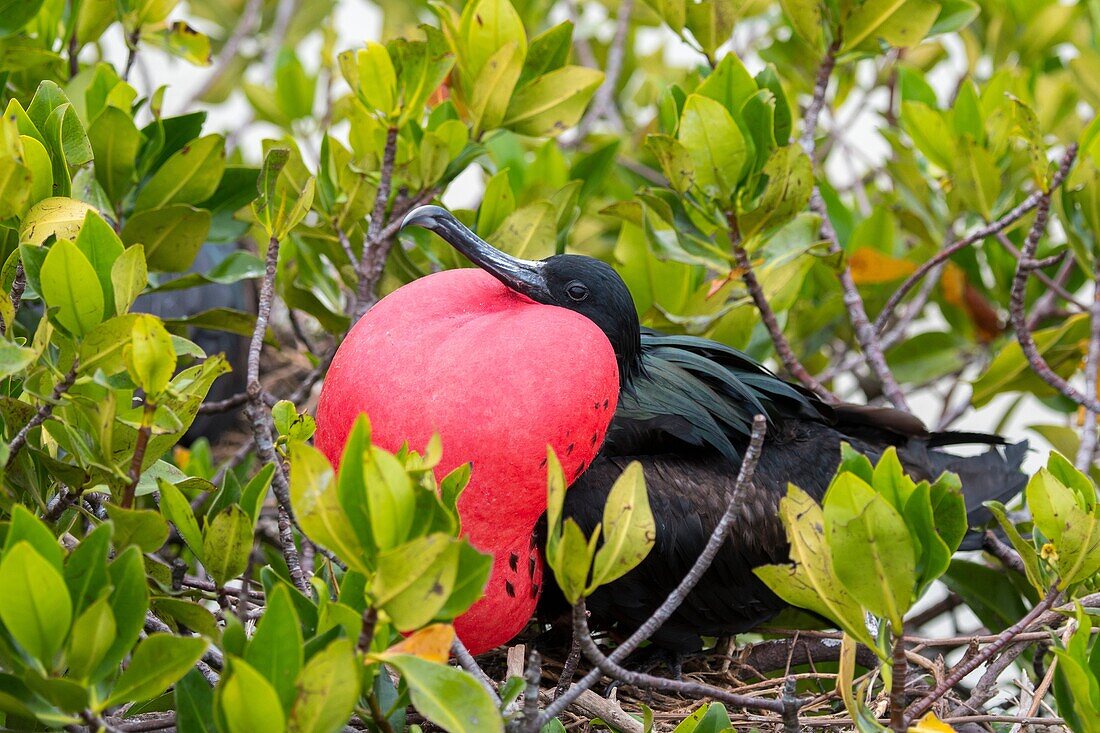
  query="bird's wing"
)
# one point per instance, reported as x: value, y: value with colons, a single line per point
x: 696, y: 392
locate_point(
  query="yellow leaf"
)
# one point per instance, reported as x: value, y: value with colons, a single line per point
x: 931, y: 724
x: 953, y: 282
x: 871, y: 267
x: 431, y: 643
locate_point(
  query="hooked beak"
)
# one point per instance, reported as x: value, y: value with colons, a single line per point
x: 522, y: 276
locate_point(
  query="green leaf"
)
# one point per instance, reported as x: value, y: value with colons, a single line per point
x: 977, y: 178
x: 129, y: 277
x: 414, y: 580
x: 14, y: 359
x: 177, y: 509
x: 628, y: 528
x: 282, y: 204
x: 37, y: 609
x: 14, y: 14
x: 805, y: 18
x: 115, y: 143
x: 129, y: 601
x: 99, y: 243
x: 194, y: 704
x: 144, y: 528
x: 790, y: 180
x: 898, y: 22
x: 528, y: 232
x: 327, y: 690
x: 158, y: 661
x: 871, y: 548
x: 246, y: 702
x: 811, y: 580
x: 25, y: 527
x: 497, y: 203
x: 493, y: 89
x: 711, y: 22
x: 153, y: 360
x: 930, y: 133
x: 447, y: 696
x: 172, y: 236
x: 548, y: 51
x: 226, y: 544
x: 190, y: 176
x: 314, y: 496
x: 275, y: 650
x: 675, y: 160
x: 57, y: 216
x: 86, y: 569
x: 572, y: 559
x: 730, y: 84
x: 69, y: 283
x: 715, y: 144
x: 370, y: 73
x: 553, y: 102
x: 93, y: 634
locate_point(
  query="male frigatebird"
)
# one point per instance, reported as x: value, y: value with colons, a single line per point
x: 684, y: 409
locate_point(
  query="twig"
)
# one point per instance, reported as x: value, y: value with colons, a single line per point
x: 637, y: 679
x: 1019, y: 323
x: 247, y: 25
x: 260, y: 418
x: 603, y: 104
x: 678, y: 594
x: 569, y: 668
x: 1008, y: 556
x: 817, y: 102
x: 373, y: 259
x: 1087, y: 450
x: 468, y: 663
x: 975, y: 236
x: 18, y: 286
x: 142, y: 442
x: 42, y: 415
x: 131, y: 54
x: 897, y: 686
x: 1035, y: 266
x: 531, y: 677
x: 959, y: 671
x: 1046, y: 306
x: 366, y: 631
x: 767, y: 315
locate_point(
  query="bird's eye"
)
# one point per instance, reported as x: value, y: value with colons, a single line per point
x: 576, y: 290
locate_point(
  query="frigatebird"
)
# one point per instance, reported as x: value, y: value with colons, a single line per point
x: 685, y: 412
x: 683, y: 408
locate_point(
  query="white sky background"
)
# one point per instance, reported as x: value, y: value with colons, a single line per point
x: 360, y: 20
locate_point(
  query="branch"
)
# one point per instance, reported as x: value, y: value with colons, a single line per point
x: 817, y: 101
x: 41, y: 416
x: 603, y: 105
x: 897, y: 685
x: 142, y: 442
x: 531, y: 677
x: 1008, y: 557
x: 1018, y: 318
x: 961, y: 670
x: 247, y: 25
x: 1086, y: 451
x: 373, y: 260
x: 767, y: 315
x: 468, y: 663
x: 260, y: 418
x: 677, y: 596
x: 975, y: 236
x: 691, y: 689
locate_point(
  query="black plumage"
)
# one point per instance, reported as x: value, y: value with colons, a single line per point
x: 685, y: 412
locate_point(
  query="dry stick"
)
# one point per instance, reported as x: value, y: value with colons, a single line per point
x: 767, y: 315
x: 531, y: 677
x: 1018, y: 318
x: 1035, y: 266
x: 975, y: 236
x: 41, y: 416
x: 1044, y: 307
x: 961, y: 670
x: 603, y: 105
x: 677, y: 596
x: 1087, y: 450
x: 247, y: 25
x: 857, y: 312
x: 374, y: 254
x: 260, y: 418
x: 569, y: 668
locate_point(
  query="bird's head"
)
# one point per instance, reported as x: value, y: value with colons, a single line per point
x: 582, y: 284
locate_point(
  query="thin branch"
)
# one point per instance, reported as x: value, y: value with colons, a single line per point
x: 603, y: 104
x: 132, y: 40
x: 975, y: 236
x: 1008, y: 556
x: 1035, y: 266
x: 767, y: 315
x: 1086, y: 451
x: 18, y: 285
x: 678, y: 594
x: 142, y: 442
x: 259, y: 416
x: 468, y: 663
x: 961, y: 670
x: 373, y: 259
x: 531, y: 678
x: 1019, y: 321
x: 247, y: 25
x: 897, y: 686
x: 637, y: 679
x: 42, y: 415
x: 817, y: 102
